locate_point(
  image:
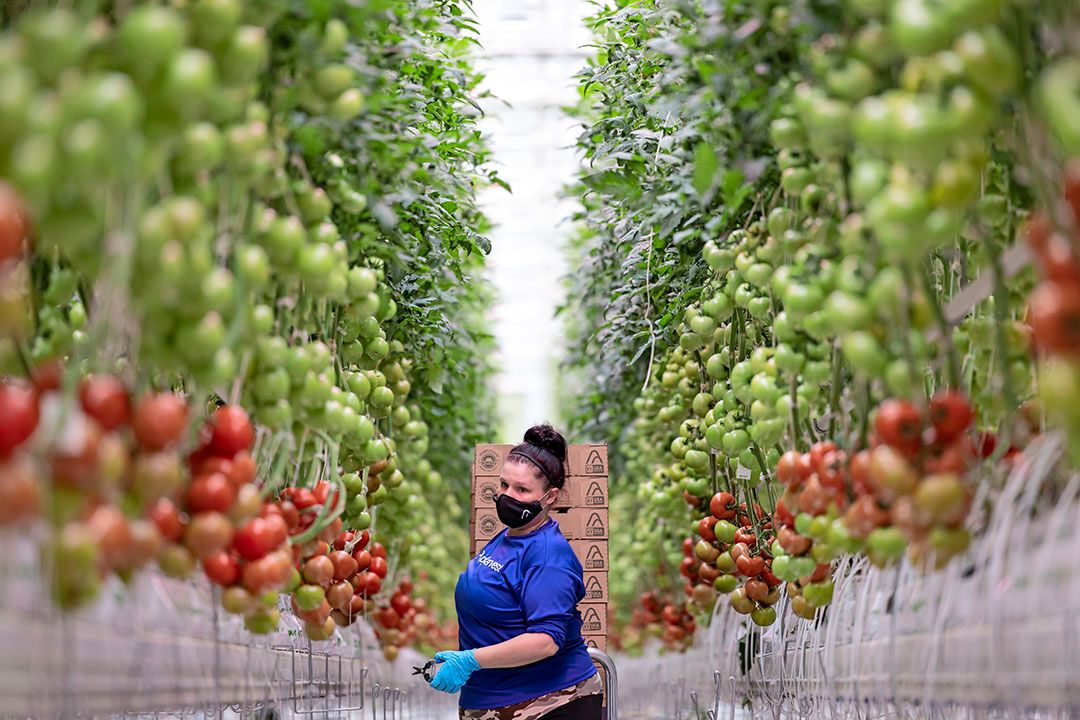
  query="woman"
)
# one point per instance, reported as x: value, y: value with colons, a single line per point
x: 522, y: 656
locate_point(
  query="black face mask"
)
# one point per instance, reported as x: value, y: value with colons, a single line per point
x: 514, y: 513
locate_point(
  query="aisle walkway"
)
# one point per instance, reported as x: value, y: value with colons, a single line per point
x: 532, y: 49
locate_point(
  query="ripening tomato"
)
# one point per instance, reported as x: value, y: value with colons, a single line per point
x: 222, y: 569
x: 705, y: 528
x: 20, y: 494
x: 208, y: 533
x: 105, y: 399
x: 159, y: 420
x: 318, y: 570
x: 18, y: 415
x: 14, y: 228
x: 244, y: 469
x: 344, y: 565
x: 817, y: 455
x: 111, y: 532
x: 1055, y: 317
x: 165, y: 515
x: 211, y: 493
x: 793, y: 468
x: 231, y: 431
x: 831, y: 470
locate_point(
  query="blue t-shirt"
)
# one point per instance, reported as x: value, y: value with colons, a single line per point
x: 526, y: 584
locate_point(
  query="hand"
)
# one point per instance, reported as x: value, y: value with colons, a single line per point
x: 455, y: 670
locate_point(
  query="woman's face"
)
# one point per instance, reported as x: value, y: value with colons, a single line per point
x: 521, y: 481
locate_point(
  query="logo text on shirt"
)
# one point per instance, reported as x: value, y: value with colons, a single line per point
x: 485, y: 560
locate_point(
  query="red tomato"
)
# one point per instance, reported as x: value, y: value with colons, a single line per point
x: 254, y: 539
x: 362, y: 558
x: 368, y: 584
x: 211, y: 493
x: 222, y: 569
x: 343, y: 539
x: 18, y: 415
x: 831, y: 472
x: 406, y: 586
x: 290, y: 513
x: 379, y: 566
x: 322, y: 492
x: 244, y: 469
x: 105, y: 399
x: 261, y: 575
x: 899, y: 424
x: 859, y: 467
x: 401, y: 603
x: 794, y: 467
x: 950, y: 414
x: 279, y: 530
x: 362, y: 541
x: 167, y: 518
x: 231, y: 431
x: 750, y: 565
x: 378, y: 551
x: 344, y: 565
x: 687, y: 567
x: 303, y: 498
x: 705, y: 528
x: 159, y: 420
x: 1055, y: 317
x: 14, y: 227
x: 818, y: 451
x: 388, y: 618
x: 745, y: 535
x: 722, y: 506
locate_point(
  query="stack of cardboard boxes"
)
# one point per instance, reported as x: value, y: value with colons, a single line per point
x: 581, y: 511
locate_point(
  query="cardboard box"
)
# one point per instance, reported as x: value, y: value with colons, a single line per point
x: 593, y: 618
x: 596, y: 641
x: 587, y: 460
x: 575, y: 523
x: 577, y: 492
x: 583, y: 523
x: 593, y: 554
x: 581, y: 460
x: 596, y: 587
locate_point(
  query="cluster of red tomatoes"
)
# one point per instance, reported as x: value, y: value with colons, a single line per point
x: 906, y: 492
x: 1054, y: 308
x: 731, y: 558
x: 665, y: 618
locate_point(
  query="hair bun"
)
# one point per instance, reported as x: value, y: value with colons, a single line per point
x: 547, y: 437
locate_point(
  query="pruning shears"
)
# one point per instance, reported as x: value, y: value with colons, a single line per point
x: 427, y: 670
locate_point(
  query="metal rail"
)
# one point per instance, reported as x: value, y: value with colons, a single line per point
x: 611, y: 681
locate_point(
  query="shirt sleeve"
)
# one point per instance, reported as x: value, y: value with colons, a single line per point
x: 550, y: 594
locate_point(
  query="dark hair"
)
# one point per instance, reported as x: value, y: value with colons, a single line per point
x: 545, y: 449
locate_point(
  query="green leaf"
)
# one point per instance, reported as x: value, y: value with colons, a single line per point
x: 706, y: 163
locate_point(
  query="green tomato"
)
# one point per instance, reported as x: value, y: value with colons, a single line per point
x: 818, y: 594
x: 725, y: 584
x: 887, y: 542
x: 763, y: 616
x: 864, y: 352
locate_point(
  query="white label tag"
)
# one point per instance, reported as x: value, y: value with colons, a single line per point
x: 742, y: 472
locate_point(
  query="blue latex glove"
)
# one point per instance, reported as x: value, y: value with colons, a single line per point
x: 456, y: 668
